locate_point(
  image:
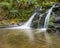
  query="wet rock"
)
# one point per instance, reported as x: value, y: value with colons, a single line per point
x: 58, y: 29
x: 38, y: 21
x: 56, y: 8
x: 19, y: 24
x: 57, y: 20
x: 35, y: 21
x: 55, y: 25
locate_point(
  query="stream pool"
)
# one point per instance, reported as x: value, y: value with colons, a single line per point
x: 28, y: 39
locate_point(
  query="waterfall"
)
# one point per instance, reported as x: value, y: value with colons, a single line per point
x: 48, y: 16
x: 28, y: 23
x: 25, y: 25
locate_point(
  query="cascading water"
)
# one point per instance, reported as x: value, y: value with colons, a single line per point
x: 25, y: 25
x: 48, y: 16
x: 47, y: 37
x: 28, y: 23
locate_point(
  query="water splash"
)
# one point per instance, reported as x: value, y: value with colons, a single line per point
x: 48, y: 16
x: 41, y: 30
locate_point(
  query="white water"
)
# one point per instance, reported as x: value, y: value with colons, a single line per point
x: 47, y: 37
x: 25, y: 25
x: 48, y: 16
x: 28, y: 23
x: 41, y: 30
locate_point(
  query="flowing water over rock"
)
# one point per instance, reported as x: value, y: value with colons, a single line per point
x: 54, y: 26
x: 25, y: 25
x: 48, y: 16
x: 27, y: 37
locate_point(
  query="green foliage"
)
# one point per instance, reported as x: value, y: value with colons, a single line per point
x: 21, y: 8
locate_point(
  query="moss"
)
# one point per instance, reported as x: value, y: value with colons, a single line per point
x: 51, y: 20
